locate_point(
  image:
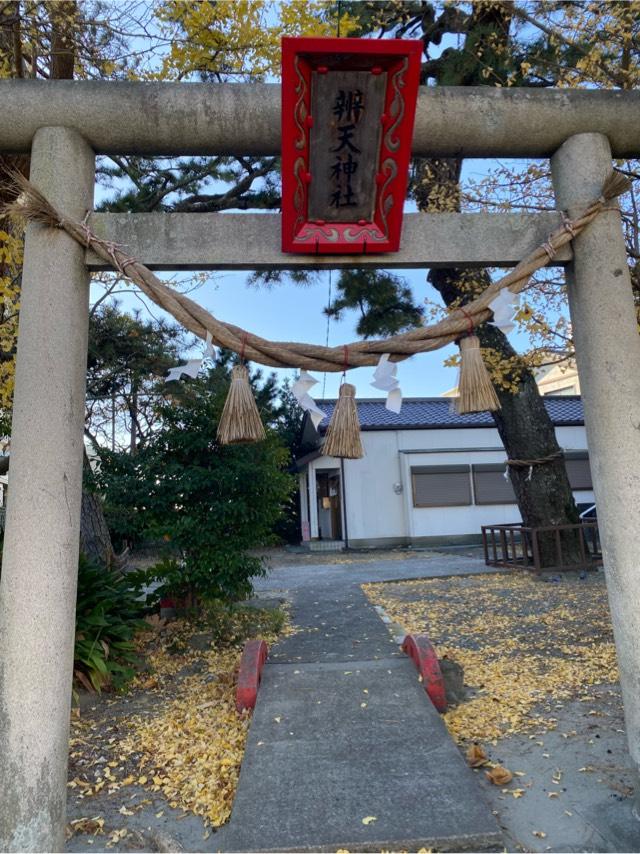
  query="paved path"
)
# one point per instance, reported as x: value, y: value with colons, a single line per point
x: 343, y: 730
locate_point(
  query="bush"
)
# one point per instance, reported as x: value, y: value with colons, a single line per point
x: 107, y: 617
x: 108, y: 611
x: 210, y: 504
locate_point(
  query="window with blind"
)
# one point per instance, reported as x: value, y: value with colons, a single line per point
x: 578, y: 469
x: 441, y: 486
x: 490, y: 485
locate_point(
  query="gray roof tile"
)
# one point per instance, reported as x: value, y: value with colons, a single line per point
x: 436, y: 412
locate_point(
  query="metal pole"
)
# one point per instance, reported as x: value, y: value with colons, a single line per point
x: 608, y: 358
x: 344, y: 504
x: 40, y: 561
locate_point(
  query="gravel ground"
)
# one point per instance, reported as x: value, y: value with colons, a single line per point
x: 576, y: 780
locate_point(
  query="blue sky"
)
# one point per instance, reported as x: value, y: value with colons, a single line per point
x: 294, y: 312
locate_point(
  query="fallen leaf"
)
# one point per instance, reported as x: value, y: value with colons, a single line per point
x: 369, y: 819
x: 84, y: 825
x: 499, y: 776
x: 476, y: 756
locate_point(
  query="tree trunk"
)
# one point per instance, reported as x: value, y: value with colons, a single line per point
x: 542, y: 491
x: 95, y: 540
x: 63, y: 16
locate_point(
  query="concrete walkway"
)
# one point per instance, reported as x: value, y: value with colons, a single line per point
x: 345, y: 750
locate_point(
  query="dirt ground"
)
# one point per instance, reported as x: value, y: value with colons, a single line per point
x: 156, y: 768
x: 541, y: 699
x: 294, y: 556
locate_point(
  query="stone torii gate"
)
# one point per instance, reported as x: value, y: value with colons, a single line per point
x: 64, y: 124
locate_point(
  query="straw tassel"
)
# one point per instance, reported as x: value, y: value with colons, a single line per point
x: 343, y: 432
x: 475, y: 389
x: 240, y: 420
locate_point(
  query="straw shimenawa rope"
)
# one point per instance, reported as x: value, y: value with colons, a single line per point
x: 31, y: 205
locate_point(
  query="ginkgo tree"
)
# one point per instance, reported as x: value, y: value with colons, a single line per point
x: 505, y: 44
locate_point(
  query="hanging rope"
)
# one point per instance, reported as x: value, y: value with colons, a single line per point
x: 326, y: 340
x: 539, y: 461
x: 31, y: 205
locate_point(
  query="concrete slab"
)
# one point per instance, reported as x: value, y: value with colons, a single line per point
x: 338, y: 625
x: 343, y: 731
x: 331, y: 745
x: 428, y: 565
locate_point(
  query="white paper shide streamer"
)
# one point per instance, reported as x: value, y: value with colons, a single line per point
x: 504, y: 307
x: 300, y: 391
x: 384, y: 378
x: 192, y: 367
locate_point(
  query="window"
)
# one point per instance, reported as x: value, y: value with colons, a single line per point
x: 491, y: 486
x: 441, y: 486
x: 578, y: 470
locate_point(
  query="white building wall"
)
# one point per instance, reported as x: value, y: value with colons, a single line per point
x: 379, y: 496
x: 372, y: 503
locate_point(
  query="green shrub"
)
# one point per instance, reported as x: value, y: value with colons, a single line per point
x: 107, y: 617
x: 212, y: 505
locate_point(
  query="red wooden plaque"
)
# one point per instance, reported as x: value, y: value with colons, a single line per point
x: 348, y: 107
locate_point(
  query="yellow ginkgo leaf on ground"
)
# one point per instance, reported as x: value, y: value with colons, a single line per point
x: 545, y: 649
x: 369, y: 819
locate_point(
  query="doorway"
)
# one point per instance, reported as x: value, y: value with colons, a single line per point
x: 329, y: 504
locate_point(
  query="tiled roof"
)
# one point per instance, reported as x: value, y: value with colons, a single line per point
x: 436, y: 412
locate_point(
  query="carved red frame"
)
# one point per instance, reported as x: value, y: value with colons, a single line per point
x: 300, y: 56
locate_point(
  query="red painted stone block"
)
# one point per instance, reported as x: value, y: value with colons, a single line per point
x: 419, y: 649
x: 253, y: 658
